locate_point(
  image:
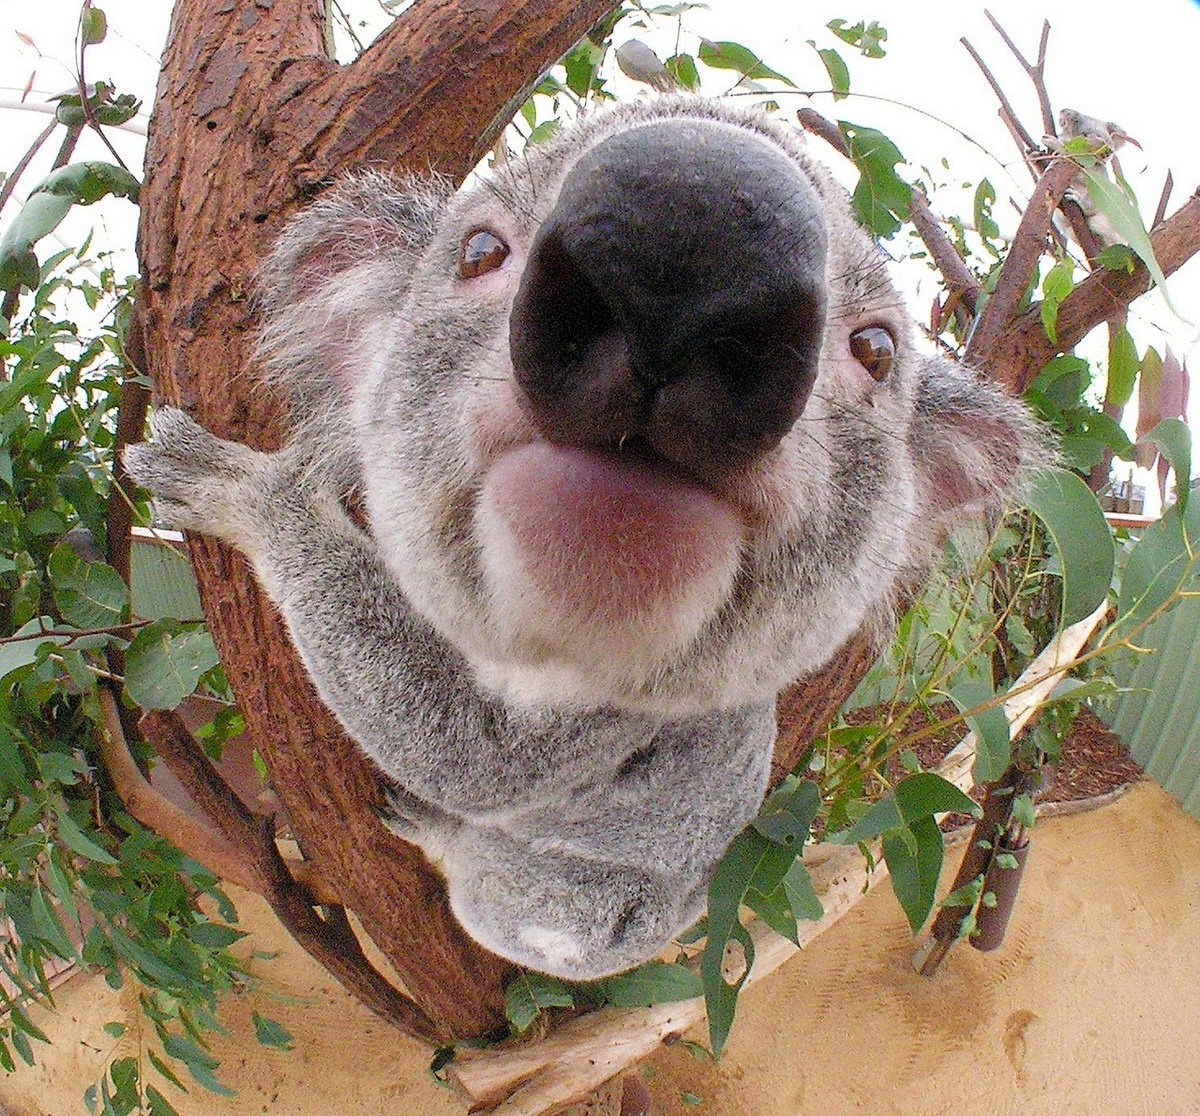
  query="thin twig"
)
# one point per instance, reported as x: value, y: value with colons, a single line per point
x: 1025, y: 138
x: 958, y: 277
x: 10, y: 183
x: 1163, y: 199
x: 1035, y: 70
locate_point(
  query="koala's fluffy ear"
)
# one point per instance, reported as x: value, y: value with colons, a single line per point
x: 973, y: 444
x: 338, y: 264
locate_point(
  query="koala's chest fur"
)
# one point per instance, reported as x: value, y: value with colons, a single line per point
x: 642, y: 436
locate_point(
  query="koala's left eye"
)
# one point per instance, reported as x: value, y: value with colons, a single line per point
x: 482, y: 251
x: 875, y: 349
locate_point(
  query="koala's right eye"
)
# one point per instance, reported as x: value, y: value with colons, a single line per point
x: 482, y: 251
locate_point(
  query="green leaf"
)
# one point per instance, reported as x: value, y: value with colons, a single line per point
x: 88, y: 594
x: 788, y: 812
x: 1117, y: 257
x: 525, y: 997
x: 114, y: 1030
x: 159, y: 1105
x: 1058, y: 283
x: 801, y: 897
x: 734, y: 56
x: 1081, y: 538
x: 1174, y: 440
x: 1122, y: 369
x: 1122, y: 214
x: 720, y: 996
x: 270, y: 1033
x: 212, y: 935
x: 655, y: 982
x: 1159, y: 564
x: 881, y: 817
x: 869, y: 38
x: 93, y: 26
x: 682, y: 67
x: 88, y: 182
x: 993, y: 745
x: 925, y: 794
x: 881, y: 199
x: 914, y: 859
x: 79, y: 842
x: 22, y: 647
x: 165, y: 661
x: 836, y: 68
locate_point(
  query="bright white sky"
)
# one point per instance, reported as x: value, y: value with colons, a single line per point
x: 1136, y: 65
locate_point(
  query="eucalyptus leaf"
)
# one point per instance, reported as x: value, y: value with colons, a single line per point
x: 165, y: 661
x: 1122, y: 214
x: 1081, y: 538
x: 914, y: 859
x: 993, y: 743
x: 1173, y: 438
x: 656, y: 982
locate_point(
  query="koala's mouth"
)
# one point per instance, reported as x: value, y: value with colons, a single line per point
x: 583, y: 541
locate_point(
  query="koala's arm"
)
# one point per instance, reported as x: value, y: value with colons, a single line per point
x: 372, y: 659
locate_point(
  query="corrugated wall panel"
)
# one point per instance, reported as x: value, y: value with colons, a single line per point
x: 1159, y: 718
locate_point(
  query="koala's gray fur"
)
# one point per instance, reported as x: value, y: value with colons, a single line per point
x: 576, y: 732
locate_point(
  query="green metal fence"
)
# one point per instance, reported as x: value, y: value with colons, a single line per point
x: 1159, y: 716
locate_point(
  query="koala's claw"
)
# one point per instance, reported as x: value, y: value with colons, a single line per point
x: 198, y: 481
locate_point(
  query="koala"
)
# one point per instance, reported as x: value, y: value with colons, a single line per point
x: 590, y: 459
x: 1106, y: 139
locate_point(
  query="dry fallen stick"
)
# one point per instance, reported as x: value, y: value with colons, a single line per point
x: 587, y: 1051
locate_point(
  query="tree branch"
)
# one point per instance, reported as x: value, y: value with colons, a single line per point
x: 1027, y: 247
x: 330, y: 941
x: 200, y: 842
x: 425, y: 93
x: 1022, y: 350
x: 957, y: 276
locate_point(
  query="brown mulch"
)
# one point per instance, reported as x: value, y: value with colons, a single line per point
x: 1093, y: 760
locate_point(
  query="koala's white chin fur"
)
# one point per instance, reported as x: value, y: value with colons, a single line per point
x: 600, y: 566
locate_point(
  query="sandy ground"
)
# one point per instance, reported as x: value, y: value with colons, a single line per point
x: 1092, y: 1006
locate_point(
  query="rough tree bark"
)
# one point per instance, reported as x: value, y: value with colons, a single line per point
x: 251, y: 118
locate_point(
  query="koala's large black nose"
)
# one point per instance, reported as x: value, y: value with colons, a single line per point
x: 675, y: 294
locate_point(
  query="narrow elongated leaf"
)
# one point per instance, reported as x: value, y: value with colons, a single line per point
x: 993, y: 745
x: 835, y: 67
x: 914, y: 859
x: 1122, y: 369
x: 655, y: 982
x: 78, y: 841
x: 1122, y: 214
x: 720, y: 996
x: 1081, y: 537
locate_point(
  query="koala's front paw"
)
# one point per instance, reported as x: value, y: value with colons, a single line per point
x: 199, y: 482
